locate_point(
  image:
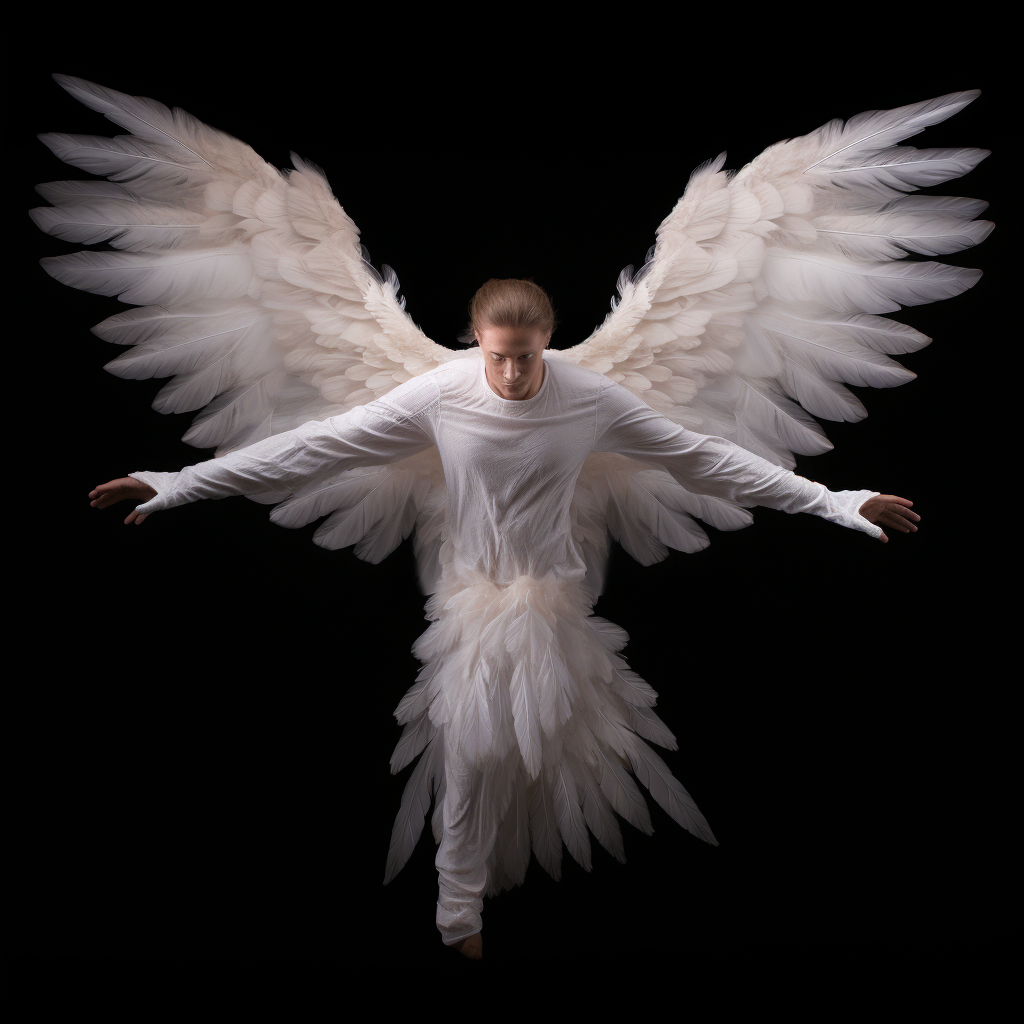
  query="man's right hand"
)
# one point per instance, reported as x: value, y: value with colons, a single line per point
x: 125, y: 487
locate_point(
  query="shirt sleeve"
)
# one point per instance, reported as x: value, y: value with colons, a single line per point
x: 712, y: 465
x: 385, y: 430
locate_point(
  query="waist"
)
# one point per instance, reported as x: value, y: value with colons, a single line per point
x: 498, y: 567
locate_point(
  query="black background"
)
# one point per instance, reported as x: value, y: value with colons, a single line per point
x: 205, y: 779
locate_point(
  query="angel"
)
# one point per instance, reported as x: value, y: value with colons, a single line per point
x: 512, y: 464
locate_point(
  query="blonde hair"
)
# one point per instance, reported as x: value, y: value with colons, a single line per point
x: 510, y: 302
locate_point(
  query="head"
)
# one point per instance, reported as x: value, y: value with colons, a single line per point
x: 512, y: 321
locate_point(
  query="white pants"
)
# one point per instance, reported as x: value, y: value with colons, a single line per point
x: 472, y: 810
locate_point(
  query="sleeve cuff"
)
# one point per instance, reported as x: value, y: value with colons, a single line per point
x: 843, y: 507
x: 162, y: 483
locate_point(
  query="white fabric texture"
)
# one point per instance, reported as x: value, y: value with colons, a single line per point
x: 522, y: 690
x: 474, y: 803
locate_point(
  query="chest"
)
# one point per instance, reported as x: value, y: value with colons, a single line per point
x: 503, y: 452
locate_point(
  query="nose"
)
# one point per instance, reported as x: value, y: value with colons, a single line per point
x: 511, y: 373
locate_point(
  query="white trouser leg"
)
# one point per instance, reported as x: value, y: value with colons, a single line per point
x: 470, y: 827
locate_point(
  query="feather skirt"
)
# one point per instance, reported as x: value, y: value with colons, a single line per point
x: 527, y: 684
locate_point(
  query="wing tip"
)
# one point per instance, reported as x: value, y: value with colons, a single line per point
x: 125, y: 373
x: 961, y: 98
x: 73, y: 84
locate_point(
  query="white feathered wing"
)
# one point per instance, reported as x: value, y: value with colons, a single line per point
x: 255, y: 296
x: 760, y: 299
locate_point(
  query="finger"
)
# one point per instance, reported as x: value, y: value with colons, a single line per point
x: 906, y: 513
x: 903, y: 516
x: 895, y: 522
x: 882, y: 537
x: 893, y: 518
x: 900, y: 501
x: 142, y: 517
x: 131, y: 517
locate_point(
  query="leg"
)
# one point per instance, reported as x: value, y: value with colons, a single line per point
x: 470, y: 817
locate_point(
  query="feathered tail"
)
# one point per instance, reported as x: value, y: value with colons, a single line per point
x: 531, y: 687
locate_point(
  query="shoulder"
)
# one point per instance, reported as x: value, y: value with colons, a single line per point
x: 411, y: 397
x: 435, y: 379
x: 575, y: 376
x: 462, y: 365
x: 460, y: 361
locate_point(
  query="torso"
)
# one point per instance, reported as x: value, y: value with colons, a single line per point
x: 511, y: 467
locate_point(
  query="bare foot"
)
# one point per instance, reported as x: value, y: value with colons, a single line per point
x: 472, y: 946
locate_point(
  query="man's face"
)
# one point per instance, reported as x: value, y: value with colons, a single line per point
x: 513, y: 359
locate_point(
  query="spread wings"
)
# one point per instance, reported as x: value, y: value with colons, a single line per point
x: 761, y: 297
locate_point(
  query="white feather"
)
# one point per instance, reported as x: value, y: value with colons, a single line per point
x: 667, y: 791
x: 622, y: 792
x: 852, y: 286
x: 415, y: 804
x: 164, y: 278
x: 569, y: 815
x: 125, y: 224
x: 544, y: 833
x: 597, y: 810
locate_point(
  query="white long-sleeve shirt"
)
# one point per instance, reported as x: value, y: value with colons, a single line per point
x: 510, y: 465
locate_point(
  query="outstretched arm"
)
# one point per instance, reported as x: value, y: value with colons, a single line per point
x: 715, y: 466
x: 385, y: 430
